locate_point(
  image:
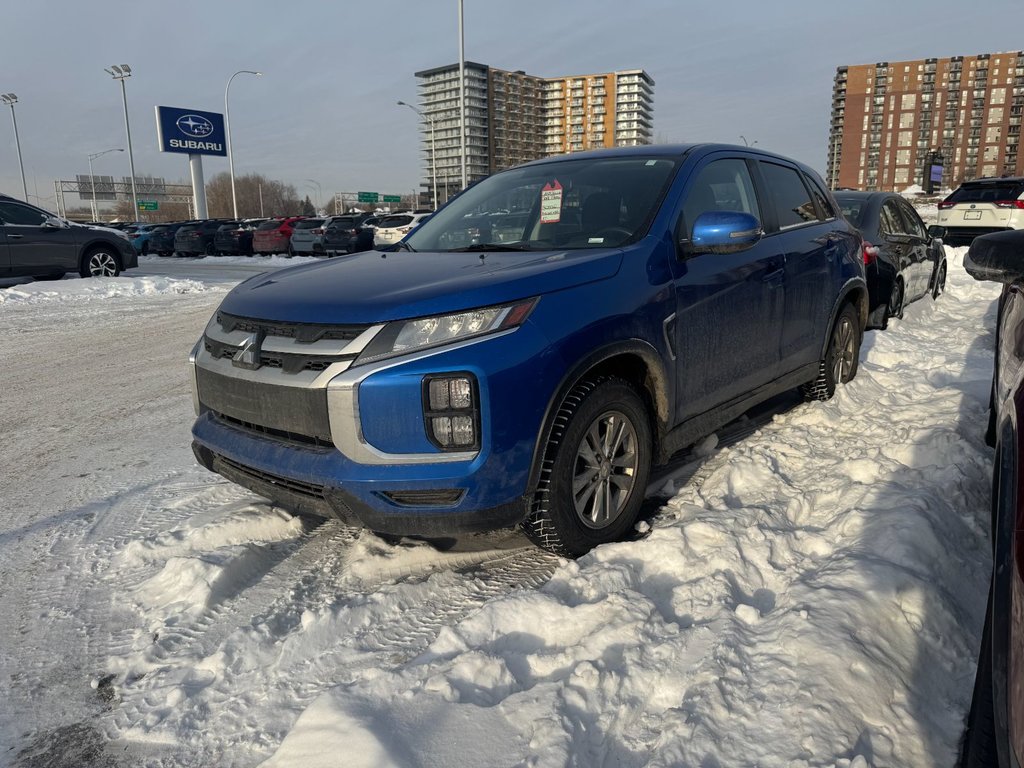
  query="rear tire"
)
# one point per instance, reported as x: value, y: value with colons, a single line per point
x: 100, y: 262
x: 896, y: 300
x: 940, y: 281
x: 595, y: 469
x: 842, y: 355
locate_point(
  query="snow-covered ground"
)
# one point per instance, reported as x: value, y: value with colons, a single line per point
x: 810, y: 594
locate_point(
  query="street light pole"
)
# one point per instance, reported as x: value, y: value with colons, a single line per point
x: 92, y: 177
x: 462, y: 96
x: 433, y: 157
x: 227, y: 131
x: 122, y: 73
x: 10, y: 100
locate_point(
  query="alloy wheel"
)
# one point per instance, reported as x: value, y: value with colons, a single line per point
x: 845, y: 345
x: 102, y: 264
x: 605, y: 469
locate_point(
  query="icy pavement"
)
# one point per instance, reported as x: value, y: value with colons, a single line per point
x: 811, y: 596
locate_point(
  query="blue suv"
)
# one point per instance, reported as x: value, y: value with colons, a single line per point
x: 528, y: 353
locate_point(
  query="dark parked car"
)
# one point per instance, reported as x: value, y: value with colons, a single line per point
x: 35, y: 243
x: 903, y: 260
x: 197, y: 238
x: 651, y: 295
x: 275, y: 235
x: 236, y: 238
x: 162, y: 242
x: 341, y: 234
x: 995, y: 724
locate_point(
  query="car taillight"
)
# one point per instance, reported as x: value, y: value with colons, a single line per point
x: 1009, y: 203
x: 404, y: 230
x: 237, y: 231
x: 946, y: 204
x: 870, y: 253
x: 317, y: 231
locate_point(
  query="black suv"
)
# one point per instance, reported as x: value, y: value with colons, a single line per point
x: 198, y: 237
x: 35, y: 243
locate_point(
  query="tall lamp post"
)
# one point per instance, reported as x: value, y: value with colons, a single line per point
x: 122, y: 73
x: 462, y: 96
x: 92, y: 177
x: 227, y: 131
x: 433, y: 157
x: 10, y: 100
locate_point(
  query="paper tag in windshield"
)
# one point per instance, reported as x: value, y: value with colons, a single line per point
x: 551, y: 203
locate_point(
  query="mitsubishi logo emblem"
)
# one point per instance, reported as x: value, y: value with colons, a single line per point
x: 248, y: 354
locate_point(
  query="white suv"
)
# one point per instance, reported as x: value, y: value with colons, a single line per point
x: 393, y: 228
x: 981, y: 206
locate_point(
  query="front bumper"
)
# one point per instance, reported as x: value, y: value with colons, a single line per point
x: 373, y: 463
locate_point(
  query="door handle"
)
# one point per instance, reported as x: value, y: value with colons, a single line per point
x: 14, y: 237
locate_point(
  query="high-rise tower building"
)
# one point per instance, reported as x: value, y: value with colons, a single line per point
x: 513, y: 117
x: 892, y: 120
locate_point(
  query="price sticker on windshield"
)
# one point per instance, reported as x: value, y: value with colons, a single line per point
x: 551, y: 203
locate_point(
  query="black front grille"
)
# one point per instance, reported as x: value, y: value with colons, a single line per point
x: 302, y: 332
x: 297, y: 411
x: 443, y: 497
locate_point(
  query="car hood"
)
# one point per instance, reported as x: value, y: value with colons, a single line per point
x: 372, y: 287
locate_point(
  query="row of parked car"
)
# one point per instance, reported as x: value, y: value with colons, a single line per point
x: 291, y: 235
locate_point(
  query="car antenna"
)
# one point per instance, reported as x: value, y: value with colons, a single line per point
x: 483, y: 258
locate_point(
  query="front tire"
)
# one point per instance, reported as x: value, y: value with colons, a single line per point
x: 842, y: 355
x: 100, y: 262
x: 595, y: 469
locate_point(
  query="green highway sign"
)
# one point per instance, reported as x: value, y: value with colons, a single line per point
x: 368, y: 197
x: 392, y: 199
x: 149, y: 205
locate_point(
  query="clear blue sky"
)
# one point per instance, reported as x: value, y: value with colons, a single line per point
x: 325, y: 107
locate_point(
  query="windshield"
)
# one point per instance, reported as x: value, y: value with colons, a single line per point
x: 601, y: 202
x: 308, y: 223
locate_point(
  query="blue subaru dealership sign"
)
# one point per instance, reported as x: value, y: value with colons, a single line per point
x: 190, y: 131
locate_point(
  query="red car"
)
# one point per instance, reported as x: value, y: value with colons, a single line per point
x: 995, y: 725
x: 274, y: 236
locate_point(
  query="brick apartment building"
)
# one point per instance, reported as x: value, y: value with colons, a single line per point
x: 513, y: 117
x: 892, y: 119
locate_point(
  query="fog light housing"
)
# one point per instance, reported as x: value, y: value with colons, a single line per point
x: 451, y: 411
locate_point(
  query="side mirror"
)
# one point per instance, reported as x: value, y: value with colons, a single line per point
x: 998, y: 257
x: 53, y: 222
x: 937, y: 231
x: 723, y: 232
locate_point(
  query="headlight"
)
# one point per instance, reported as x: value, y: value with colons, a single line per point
x: 404, y: 336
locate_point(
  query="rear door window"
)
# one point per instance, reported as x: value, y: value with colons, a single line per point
x: 308, y: 223
x: 794, y: 205
x: 890, y: 222
x: 267, y: 225
x: 912, y: 222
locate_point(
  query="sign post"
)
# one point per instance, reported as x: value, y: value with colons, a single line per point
x: 194, y: 133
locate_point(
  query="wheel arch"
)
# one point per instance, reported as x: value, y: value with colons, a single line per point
x: 635, y: 361
x: 854, y: 292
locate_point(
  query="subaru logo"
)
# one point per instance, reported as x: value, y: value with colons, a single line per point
x: 248, y: 354
x: 194, y: 125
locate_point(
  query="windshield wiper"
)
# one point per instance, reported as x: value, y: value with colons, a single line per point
x: 401, y: 245
x: 491, y: 247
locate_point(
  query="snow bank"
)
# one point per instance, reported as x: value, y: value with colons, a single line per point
x: 813, y: 598
x: 99, y: 288
x: 276, y: 260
